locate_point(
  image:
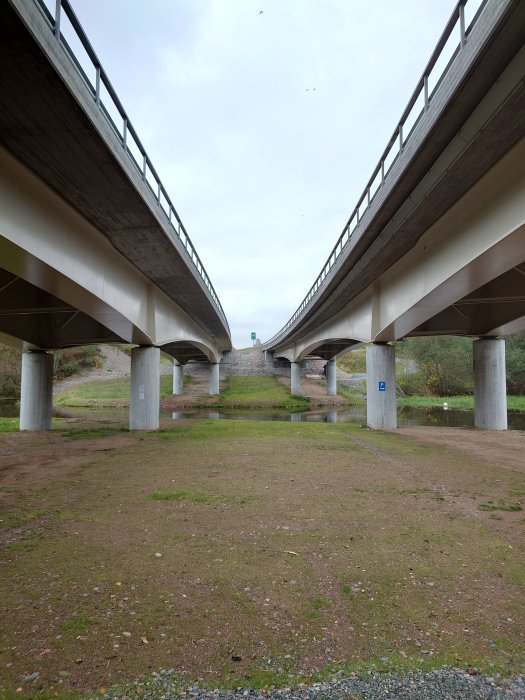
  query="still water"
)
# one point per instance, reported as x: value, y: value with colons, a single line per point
x: 356, y: 414
x: 351, y: 414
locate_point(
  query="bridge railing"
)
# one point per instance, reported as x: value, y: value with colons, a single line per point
x: 451, y: 42
x: 109, y: 104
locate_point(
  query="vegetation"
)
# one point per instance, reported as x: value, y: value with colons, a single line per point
x: 353, y: 362
x: 258, y: 392
x: 107, y: 392
x: 445, y: 366
x: 66, y: 363
x: 463, y: 403
x: 9, y: 372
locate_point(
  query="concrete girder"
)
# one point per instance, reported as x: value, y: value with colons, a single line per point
x: 459, y: 260
x: 48, y: 249
x: 352, y: 325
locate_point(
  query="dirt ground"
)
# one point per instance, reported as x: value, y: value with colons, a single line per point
x: 246, y: 553
x: 505, y: 449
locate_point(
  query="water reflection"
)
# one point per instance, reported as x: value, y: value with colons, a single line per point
x: 437, y: 416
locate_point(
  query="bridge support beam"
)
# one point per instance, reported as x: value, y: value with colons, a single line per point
x: 331, y: 378
x: 295, y: 378
x: 490, y: 390
x: 381, y: 387
x: 36, y: 396
x: 178, y: 379
x: 214, y: 379
x: 145, y: 389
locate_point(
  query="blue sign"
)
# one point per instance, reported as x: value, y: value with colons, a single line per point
x: 382, y: 386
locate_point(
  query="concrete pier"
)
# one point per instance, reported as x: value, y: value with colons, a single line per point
x: 145, y: 389
x: 295, y: 378
x: 490, y: 390
x: 381, y: 387
x: 36, y: 395
x: 178, y: 379
x: 331, y: 378
x: 214, y: 379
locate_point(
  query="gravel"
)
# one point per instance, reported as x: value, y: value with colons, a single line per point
x: 441, y: 684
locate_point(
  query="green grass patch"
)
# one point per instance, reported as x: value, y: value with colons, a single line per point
x: 9, y: 425
x: 514, y: 403
x: 259, y: 392
x: 200, y: 497
x: 107, y: 392
x: 193, y: 496
x: 510, y: 507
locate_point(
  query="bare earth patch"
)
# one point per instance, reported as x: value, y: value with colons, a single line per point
x: 268, y: 548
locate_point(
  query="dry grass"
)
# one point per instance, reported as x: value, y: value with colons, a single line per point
x: 284, y: 548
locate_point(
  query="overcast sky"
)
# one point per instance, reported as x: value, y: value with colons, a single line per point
x: 264, y: 120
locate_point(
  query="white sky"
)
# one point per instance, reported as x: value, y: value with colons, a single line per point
x: 264, y: 170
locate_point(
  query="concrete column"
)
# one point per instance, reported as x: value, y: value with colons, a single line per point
x: 295, y: 378
x: 145, y: 389
x: 178, y: 379
x: 490, y: 389
x: 36, y: 395
x: 268, y: 354
x: 381, y: 387
x: 331, y: 378
x: 214, y: 379
x: 331, y: 416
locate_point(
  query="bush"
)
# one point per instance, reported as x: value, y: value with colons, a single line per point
x: 9, y: 372
x: 515, y: 358
x: 414, y: 384
x: 444, y: 362
x: 73, y: 360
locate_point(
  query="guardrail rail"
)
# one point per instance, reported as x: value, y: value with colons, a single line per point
x: 110, y: 106
x: 445, y: 52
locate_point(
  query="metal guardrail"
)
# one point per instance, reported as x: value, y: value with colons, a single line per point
x: 419, y: 103
x: 127, y: 135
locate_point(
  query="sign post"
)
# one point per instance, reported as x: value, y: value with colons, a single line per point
x: 254, y: 337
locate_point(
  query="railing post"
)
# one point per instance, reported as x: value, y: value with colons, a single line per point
x: 462, y: 24
x: 58, y: 7
x: 125, y: 133
x: 97, y: 87
x: 425, y: 91
x: 144, y: 163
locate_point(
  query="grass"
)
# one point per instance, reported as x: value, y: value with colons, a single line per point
x: 510, y: 507
x: 514, y: 403
x: 107, y: 392
x: 9, y: 425
x: 300, y: 549
x: 258, y: 392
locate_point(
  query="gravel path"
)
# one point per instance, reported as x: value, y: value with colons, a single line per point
x: 441, y: 684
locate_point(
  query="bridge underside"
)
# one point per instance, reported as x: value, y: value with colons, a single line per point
x: 43, y: 320
x: 497, y: 305
x: 184, y: 352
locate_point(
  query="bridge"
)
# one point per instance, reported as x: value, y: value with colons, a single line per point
x: 436, y: 242
x: 92, y: 249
